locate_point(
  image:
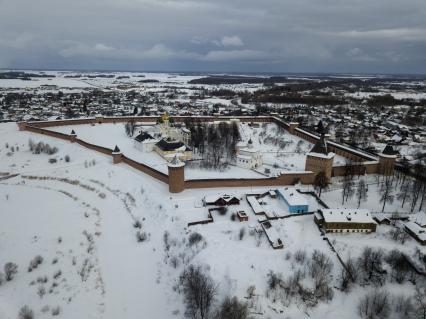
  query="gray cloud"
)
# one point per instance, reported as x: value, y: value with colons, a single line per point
x: 223, y: 35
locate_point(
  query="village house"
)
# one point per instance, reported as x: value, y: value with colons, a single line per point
x: 222, y: 200
x: 296, y: 202
x: 416, y: 227
x: 345, y: 220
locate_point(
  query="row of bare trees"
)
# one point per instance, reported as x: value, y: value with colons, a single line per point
x: 375, y: 267
x: 216, y: 144
x: 200, y: 295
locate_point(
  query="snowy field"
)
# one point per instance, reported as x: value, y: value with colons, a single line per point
x: 79, y: 217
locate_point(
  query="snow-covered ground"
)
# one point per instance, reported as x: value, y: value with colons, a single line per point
x: 82, y: 212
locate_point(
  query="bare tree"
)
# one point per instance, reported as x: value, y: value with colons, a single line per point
x: 420, y: 298
x: 199, y: 292
x: 370, y: 264
x: 361, y: 192
x: 320, y: 182
x: 404, y: 191
x: 348, y: 275
x: 348, y: 189
x: 403, y: 306
x: 386, y: 191
x: 130, y: 128
x: 232, y: 308
x: 399, y: 265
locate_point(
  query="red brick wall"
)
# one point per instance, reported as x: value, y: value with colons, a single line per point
x: 146, y: 169
x: 285, y: 179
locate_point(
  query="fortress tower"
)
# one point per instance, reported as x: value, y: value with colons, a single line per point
x: 292, y: 127
x: 319, y: 159
x: 73, y: 136
x: 116, y: 155
x: 387, y: 159
x: 176, y: 175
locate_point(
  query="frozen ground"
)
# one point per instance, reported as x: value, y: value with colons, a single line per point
x: 82, y: 213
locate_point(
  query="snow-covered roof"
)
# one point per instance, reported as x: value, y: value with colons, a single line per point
x: 176, y: 162
x: 293, y: 197
x: 381, y: 217
x: 214, y: 198
x: 249, y: 150
x: 257, y: 208
x: 420, y: 219
x: 416, y: 230
x: 347, y: 215
x: 244, y: 157
x: 272, y: 234
x: 328, y: 156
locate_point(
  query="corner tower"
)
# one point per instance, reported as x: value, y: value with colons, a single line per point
x: 319, y: 159
x: 176, y: 175
x: 387, y: 159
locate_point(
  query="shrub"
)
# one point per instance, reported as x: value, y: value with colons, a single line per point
x: 141, y: 236
x: 174, y: 261
x: 26, y: 313
x: 56, y: 311
x: 57, y: 274
x: 300, y: 256
x: 232, y: 308
x: 194, y: 238
x: 403, y: 306
x: 241, y: 233
x: 41, y: 291
x: 42, y: 279
x: 222, y: 210
x: 137, y: 224
x: 37, y: 260
x: 274, y: 280
x: 375, y: 305
x: 10, y: 270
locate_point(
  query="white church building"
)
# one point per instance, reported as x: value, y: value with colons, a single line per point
x: 248, y: 156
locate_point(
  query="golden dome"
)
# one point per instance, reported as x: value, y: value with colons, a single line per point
x: 165, y: 116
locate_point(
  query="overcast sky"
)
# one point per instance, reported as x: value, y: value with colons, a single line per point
x: 383, y: 36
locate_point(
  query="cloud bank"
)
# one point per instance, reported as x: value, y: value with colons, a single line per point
x: 383, y: 36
